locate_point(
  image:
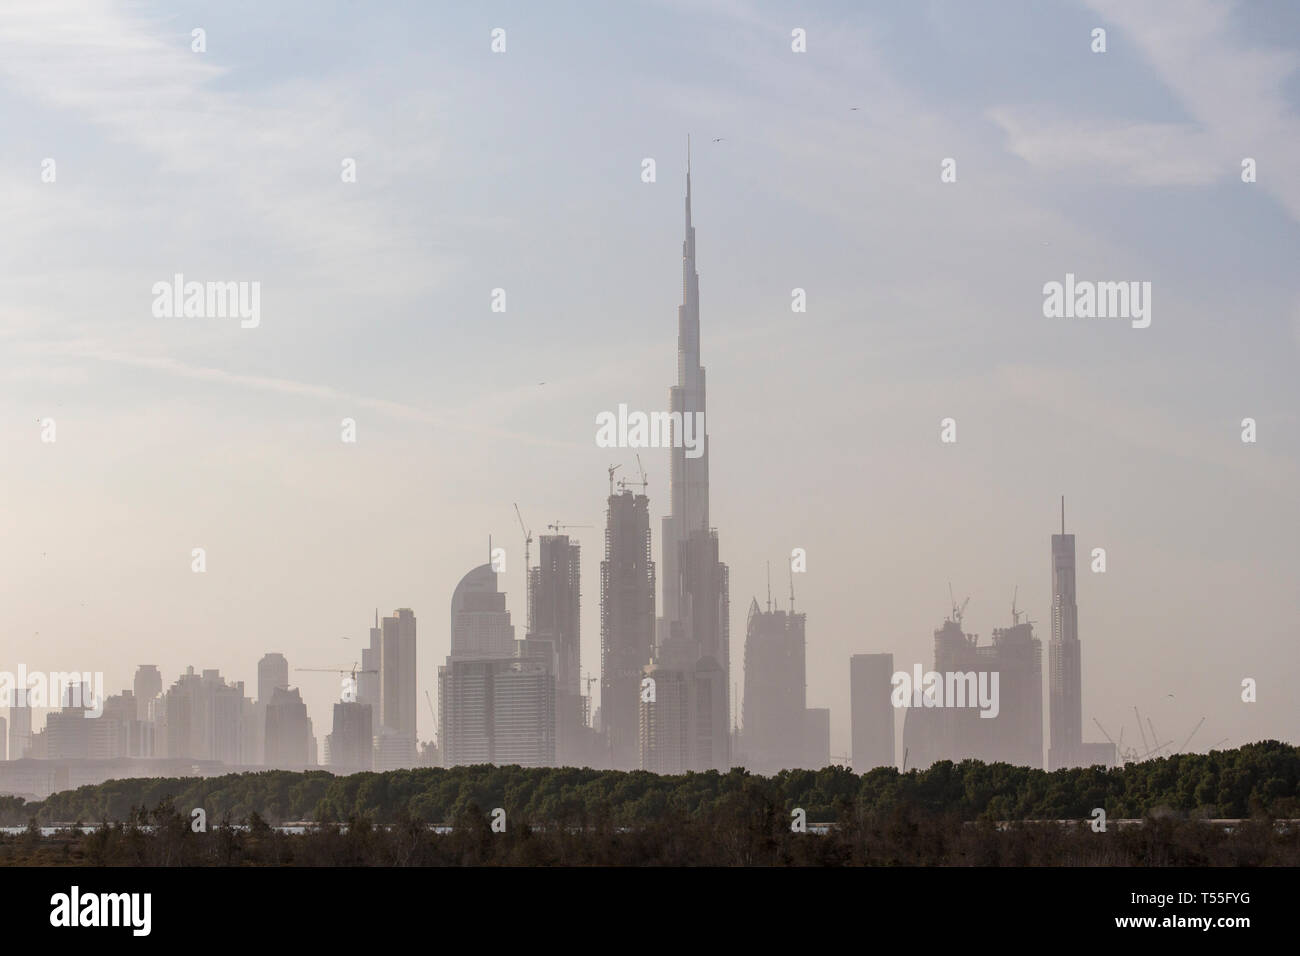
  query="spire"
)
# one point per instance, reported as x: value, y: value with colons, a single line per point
x: 691, y: 251
x: 791, y: 570
x: 1062, y: 514
x: 769, y: 587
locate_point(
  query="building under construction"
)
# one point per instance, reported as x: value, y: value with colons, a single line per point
x: 627, y: 624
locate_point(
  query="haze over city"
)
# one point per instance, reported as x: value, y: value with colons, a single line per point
x: 523, y: 171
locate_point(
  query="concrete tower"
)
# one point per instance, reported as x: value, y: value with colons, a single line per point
x: 693, y: 639
x: 1065, y: 693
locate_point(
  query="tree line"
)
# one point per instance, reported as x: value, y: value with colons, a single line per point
x: 1258, y: 780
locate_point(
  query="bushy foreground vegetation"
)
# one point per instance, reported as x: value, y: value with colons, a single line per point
x: 1255, y: 780
x: 945, y: 815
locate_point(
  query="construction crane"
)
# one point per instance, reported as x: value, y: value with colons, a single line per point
x: 1140, y: 730
x: 352, y: 672
x: 644, y: 482
x: 431, y: 712
x: 1154, y: 737
x: 957, y: 612
x: 559, y: 526
x: 528, y: 540
x: 1125, y: 756
x: 1192, y: 734
x: 335, y: 670
x: 611, y: 469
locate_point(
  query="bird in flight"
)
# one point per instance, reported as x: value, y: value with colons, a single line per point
x: 718, y: 140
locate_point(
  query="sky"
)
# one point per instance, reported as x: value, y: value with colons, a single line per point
x: 522, y: 170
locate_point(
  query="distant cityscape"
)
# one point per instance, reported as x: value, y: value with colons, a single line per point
x: 667, y: 702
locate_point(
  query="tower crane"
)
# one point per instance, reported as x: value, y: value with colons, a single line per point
x: 559, y: 526
x: 528, y: 539
x: 957, y: 612
x: 644, y: 482
x: 345, y: 673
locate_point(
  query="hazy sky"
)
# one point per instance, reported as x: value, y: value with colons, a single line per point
x: 521, y: 170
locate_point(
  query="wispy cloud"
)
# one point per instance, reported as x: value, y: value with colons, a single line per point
x: 397, y: 410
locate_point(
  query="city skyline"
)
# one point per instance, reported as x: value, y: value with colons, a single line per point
x: 924, y: 302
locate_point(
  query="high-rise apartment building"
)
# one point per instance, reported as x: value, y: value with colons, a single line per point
x: 288, y: 730
x: 20, y: 724
x: 147, y: 686
x: 496, y: 695
x: 554, y: 606
x: 350, y: 745
x: 871, y: 710
x: 627, y: 622
x: 773, y: 714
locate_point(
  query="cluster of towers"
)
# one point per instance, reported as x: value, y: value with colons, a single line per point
x: 664, y: 680
x: 1013, y: 732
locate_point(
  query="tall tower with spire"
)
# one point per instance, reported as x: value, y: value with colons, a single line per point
x: 1065, y: 685
x: 693, y: 635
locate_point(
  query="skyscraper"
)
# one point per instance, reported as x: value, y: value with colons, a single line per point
x: 148, y: 685
x: 1015, y: 736
x: 1065, y: 693
x: 368, y: 676
x: 554, y: 605
x: 480, y: 623
x: 20, y: 724
x: 272, y: 672
x: 351, y: 742
x: 627, y: 622
x: 872, y: 711
x: 202, y: 717
x: 693, y: 639
x: 397, y: 675
x: 817, y: 738
x: 496, y: 695
x: 288, y: 730
x: 776, y: 697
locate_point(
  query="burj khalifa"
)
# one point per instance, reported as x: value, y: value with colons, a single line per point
x: 686, y: 728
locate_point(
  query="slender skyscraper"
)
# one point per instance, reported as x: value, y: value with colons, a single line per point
x: 368, y: 687
x: 1065, y: 694
x: 554, y: 608
x: 692, y: 644
x: 627, y: 622
x: 397, y: 673
x: 395, y: 729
